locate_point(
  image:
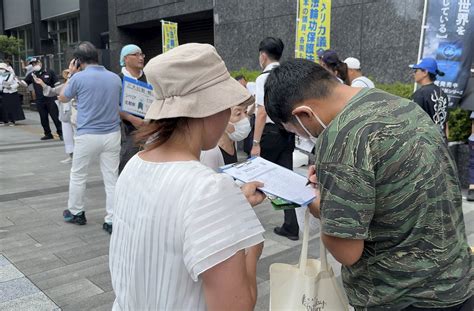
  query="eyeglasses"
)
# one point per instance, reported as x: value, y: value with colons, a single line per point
x: 138, y: 54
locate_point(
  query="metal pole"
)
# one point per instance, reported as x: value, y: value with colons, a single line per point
x: 422, y: 35
x: 297, y: 25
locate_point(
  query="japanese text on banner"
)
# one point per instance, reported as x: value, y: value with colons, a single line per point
x: 169, y: 35
x: 448, y: 38
x: 313, y: 28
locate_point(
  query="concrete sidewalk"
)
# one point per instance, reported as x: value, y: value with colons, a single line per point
x: 47, y: 264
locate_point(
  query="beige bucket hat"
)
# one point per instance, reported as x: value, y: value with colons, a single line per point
x: 192, y: 81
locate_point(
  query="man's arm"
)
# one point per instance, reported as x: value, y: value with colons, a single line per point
x: 136, y: 121
x: 260, y: 121
x: 346, y: 251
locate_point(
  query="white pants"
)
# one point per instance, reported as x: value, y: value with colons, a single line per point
x: 68, y: 137
x: 86, y: 148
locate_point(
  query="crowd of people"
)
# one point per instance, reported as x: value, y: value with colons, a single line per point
x: 185, y: 237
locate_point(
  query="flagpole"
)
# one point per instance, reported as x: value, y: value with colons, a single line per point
x: 422, y: 35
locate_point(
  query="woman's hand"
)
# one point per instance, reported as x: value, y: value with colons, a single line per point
x: 251, y: 192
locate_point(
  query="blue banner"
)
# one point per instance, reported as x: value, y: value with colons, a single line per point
x: 449, y: 38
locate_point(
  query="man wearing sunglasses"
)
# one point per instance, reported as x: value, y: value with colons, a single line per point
x: 132, y: 61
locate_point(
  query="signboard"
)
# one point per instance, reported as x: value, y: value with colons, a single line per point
x: 313, y: 28
x: 449, y: 38
x: 137, y: 97
x: 169, y: 35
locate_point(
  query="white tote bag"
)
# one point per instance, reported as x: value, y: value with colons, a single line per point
x: 309, y: 286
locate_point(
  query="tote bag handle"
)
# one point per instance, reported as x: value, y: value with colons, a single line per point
x: 304, y: 247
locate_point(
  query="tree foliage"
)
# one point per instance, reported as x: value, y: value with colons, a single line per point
x: 10, y: 45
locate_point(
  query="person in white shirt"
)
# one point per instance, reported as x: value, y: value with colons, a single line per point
x: 185, y: 237
x: 10, y: 104
x: 354, y: 74
x: 270, y: 141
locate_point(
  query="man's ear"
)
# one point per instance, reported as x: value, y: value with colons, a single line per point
x: 302, y: 112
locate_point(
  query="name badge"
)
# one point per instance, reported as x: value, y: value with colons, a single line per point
x: 46, y: 76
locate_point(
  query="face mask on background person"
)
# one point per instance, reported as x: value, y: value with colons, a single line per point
x: 310, y: 136
x: 241, y: 130
x: 36, y: 68
x: 3, y: 73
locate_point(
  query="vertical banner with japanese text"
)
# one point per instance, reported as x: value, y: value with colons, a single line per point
x: 313, y: 28
x: 169, y: 35
x: 449, y: 38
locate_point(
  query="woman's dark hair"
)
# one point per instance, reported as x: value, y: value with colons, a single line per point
x: 157, y: 132
x: 86, y: 53
x: 293, y: 82
x: 337, y: 66
x: 273, y: 47
x: 432, y: 76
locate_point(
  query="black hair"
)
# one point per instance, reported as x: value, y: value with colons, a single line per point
x: 293, y: 82
x: 339, y: 68
x: 432, y: 76
x: 240, y: 77
x: 273, y: 47
x: 86, y: 53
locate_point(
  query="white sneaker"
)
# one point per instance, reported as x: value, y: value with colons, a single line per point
x: 66, y: 161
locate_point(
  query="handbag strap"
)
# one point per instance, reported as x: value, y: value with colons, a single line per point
x: 304, y: 247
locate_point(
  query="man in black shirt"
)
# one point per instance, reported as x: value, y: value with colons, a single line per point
x: 132, y: 61
x: 429, y: 96
x: 45, y: 105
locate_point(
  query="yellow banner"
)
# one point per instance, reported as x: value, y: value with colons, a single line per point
x: 169, y: 35
x: 313, y: 28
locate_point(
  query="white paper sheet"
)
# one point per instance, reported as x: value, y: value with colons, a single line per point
x: 278, y: 181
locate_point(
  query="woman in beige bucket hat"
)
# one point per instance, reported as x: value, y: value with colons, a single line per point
x: 185, y: 237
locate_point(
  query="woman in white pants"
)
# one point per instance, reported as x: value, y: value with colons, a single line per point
x: 65, y: 115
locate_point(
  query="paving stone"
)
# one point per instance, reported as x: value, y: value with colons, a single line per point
x: 16, y: 288
x: 16, y: 241
x: 102, y: 280
x: 4, y: 261
x: 66, y: 274
x: 78, y: 254
x: 73, y: 292
x: 9, y: 272
x: 102, y: 301
x: 39, y: 248
x: 34, y: 302
x: 40, y: 263
x: 4, y: 222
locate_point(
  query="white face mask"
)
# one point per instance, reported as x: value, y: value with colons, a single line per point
x: 241, y: 130
x: 36, y: 68
x: 310, y: 136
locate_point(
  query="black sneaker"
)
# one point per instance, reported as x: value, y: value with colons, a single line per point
x: 107, y: 227
x: 61, y: 137
x: 79, y: 219
x: 46, y: 137
x: 282, y: 232
x: 470, y: 195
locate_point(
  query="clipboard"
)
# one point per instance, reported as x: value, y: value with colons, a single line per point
x: 278, y: 181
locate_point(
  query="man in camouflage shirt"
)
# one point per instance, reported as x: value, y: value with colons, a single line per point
x: 389, y: 197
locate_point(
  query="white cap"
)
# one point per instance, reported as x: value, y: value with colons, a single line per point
x: 352, y: 63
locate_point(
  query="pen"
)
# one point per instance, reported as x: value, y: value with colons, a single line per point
x: 307, y: 183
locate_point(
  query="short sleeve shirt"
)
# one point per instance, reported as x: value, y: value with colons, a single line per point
x: 362, y: 82
x: 434, y: 102
x: 172, y: 222
x: 260, y: 87
x: 97, y: 91
x: 49, y: 78
x: 386, y: 177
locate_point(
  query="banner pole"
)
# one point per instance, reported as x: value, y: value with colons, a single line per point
x: 422, y: 35
x: 162, y: 37
x: 297, y: 25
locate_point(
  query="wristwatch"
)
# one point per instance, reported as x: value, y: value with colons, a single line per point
x: 256, y: 142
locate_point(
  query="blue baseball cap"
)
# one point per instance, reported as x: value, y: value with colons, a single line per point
x: 428, y: 64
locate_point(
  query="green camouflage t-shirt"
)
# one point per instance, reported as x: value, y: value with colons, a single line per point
x: 386, y: 177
